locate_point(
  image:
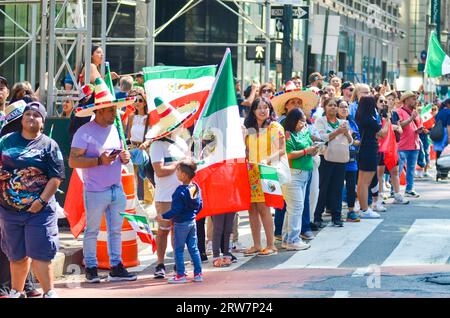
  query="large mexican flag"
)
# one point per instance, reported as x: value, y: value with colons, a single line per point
x: 438, y: 63
x: 178, y: 85
x: 219, y: 146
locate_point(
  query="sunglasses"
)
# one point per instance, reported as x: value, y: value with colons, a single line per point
x: 383, y: 101
x: 265, y: 91
x: 139, y: 100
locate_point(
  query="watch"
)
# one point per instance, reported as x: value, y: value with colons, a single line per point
x: 44, y: 203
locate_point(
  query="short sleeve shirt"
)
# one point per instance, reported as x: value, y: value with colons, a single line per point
x: 167, y: 151
x: 28, y: 165
x: 299, y: 141
x: 96, y: 140
x: 409, y: 139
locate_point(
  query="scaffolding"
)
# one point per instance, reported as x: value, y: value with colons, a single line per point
x: 61, y: 41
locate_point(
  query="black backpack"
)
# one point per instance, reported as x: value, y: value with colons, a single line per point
x: 437, y: 132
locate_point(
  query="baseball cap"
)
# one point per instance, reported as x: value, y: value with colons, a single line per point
x: 346, y: 84
x: 4, y: 81
x: 140, y: 74
x: 38, y: 107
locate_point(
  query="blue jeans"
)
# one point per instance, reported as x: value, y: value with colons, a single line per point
x: 294, y: 194
x: 185, y: 233
x: 279, y: 219
x: 306, y: 217
x: 408, y: 157
x: 424, y: 154
x: 112, y: 202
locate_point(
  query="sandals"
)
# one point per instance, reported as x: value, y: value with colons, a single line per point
x: 222, y: 262
x: 267, y: 252
x: 252, y: 251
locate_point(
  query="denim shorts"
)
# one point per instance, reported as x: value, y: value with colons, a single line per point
x: 26, y: 234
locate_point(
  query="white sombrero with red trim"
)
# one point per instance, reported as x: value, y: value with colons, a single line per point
x: 103, y: 99
x: 170, y: 118
x: 309, y: 99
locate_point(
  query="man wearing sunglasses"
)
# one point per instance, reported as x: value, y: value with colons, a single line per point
x: 347, y: 91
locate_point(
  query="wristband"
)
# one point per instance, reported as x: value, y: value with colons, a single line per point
x: 304, y: 152
x: 44, y: 204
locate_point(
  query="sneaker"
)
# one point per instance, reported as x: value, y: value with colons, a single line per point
x: 338, y: 223
x: 308, y: 235
x: 50, y: 294
x: 233, y: 258
x: 15, y: 294
x: 226, y: 261
x: 379, y: 207
x: 119, y: 273
x: 412, y: 194
x: 357, y: 206
x: 160, y: 271
x: 399, y: 199
x: 204, y: 258
x: 313, y: 226
x: 198, y: 278
x: 369, y: 214
x: 4, y: 293
x: 177, y: 279
x: 299, y: 246
x: 427, y: 175
x: 92, y: 275
x: 33, y: 293
x: 353, y: 217
x: 320, y: 224
x: 419, y: 174
x: 209, y: 250
x: 237, y: 246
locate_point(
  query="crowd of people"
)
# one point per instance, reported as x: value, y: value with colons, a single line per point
x: 335, y: 140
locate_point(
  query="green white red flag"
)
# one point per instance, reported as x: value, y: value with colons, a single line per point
x: 222, y: 172
x: 427, y: 116
x: 178, y: 86
x: 271, y: 186
x: 140, y: 225
x: 437, y: 63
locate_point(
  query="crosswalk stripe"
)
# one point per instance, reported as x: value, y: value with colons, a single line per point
x: 332, y: 246
x: 426, y: 243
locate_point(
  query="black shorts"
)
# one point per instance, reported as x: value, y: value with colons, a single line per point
x: 381, y: 159
x: 367, y: 161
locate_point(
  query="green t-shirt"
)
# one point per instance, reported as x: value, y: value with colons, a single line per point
x: 299, y: 141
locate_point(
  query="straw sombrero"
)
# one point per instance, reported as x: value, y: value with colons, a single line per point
x: 14, y: 111
x: 308, y: 98
x: 170, y: 118
x: 103, y: 99
x: 407, y: 95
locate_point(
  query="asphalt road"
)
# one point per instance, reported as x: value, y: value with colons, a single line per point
x: 406, y: 253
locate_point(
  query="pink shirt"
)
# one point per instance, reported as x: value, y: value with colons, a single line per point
x: 409, y: 139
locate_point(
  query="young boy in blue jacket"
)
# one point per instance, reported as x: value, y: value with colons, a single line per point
x: 186, y: 204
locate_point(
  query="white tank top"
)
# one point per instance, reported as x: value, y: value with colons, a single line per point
x: 138, y: 128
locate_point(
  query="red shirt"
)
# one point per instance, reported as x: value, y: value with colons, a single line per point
x: 409, y: 139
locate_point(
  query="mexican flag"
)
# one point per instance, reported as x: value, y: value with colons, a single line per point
x: 438, y: 63
x: 178, y: 85
x: 140, y: 225
x: 222, y: 172
x: 427, y: 116
x: 271, y: 186
x: 74, y: 203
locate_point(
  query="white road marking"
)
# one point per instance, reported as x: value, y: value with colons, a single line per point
x: 341, y: 294
x: 426, y: 243
x: 332, y: 246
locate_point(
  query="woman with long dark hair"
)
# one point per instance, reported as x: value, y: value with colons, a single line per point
x: 444, y: 116
x: 369, y: 126
x: 97, y: 58
x: 332, y: 172
x: 265, y: 143
x: 299, y: 149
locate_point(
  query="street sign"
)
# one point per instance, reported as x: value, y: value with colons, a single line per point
x: 301, y: 12
x: 279, y: 27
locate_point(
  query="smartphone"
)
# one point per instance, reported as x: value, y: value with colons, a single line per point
x: 115, y: 152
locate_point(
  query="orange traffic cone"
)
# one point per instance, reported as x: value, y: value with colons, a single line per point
x: 403, y: 178
x: 129, y: 242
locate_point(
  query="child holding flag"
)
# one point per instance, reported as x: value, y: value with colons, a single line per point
x: 186, y: 204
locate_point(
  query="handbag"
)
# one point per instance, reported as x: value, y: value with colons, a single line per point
x: 437, y: 132
x: 283, y: 170
x: 338, y: 150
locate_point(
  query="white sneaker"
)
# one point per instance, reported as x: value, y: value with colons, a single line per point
x: 15, y: 294
x: 379, y: 207
x: 209, y: 250
x: 50, y: 294
x: 419, y: 174
x: 357, y: 207
x: 399, y: 199
x: 427, y: 175
x: 369, y: 214
x: 299, y: 246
